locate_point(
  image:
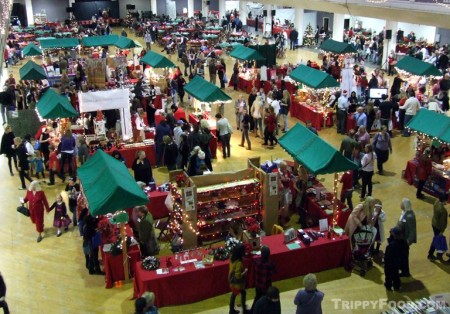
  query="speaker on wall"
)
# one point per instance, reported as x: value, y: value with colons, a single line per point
x: 131, y: 6
x: 264, y: 13
x: 69, y: 9
x: 389, y: 34
x: 208, y: 2
x: 274, y: 12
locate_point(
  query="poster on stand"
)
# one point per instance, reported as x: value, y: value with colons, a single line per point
x: 189, y: 199
x: 273, y: 184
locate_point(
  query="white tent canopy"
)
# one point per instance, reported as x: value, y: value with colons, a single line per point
x: 107, y: 100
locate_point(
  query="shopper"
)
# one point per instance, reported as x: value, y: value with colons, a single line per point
x: 378, y: 219
x: 367, y: 165
x: 383, y: 146
x: 150, y: 299
x: 91, y: 252
x: 224, y: 130
x: 73, y: 190
x: 411, y: 106
x: 439, y: 224
x: 24, y: 164
x: 264, y: 268
x: 61, y: 219
x: 270, y: 303
x: 407, y: 224
x: 360, y: 216
x: 7, y: 148
x: 3, y: 303
x: 239, y: 106
x: 245, y: 124
x: 236, y: 277
x: 347, y: 188
x: 270, y: 123
x: 309, y: 301
x: 342, y: 106
x: 170, y: 153
x: 67, y: 148
x: 37, y: 203
x: 396, y: 252
x: 148, y: 244
x: 348, y: 144
x: 423, y: 171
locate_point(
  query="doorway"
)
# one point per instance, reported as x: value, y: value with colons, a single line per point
x: 325, y: 23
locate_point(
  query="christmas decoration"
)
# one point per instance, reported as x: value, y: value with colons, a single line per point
x: 150, y: 263
x: 252, y: 226
x: 309, y: 36
x: 106, y: 230
x: 116, y: 247
x: 221, y: 254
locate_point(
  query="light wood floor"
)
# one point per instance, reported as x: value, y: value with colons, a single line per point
x: 50, y: 277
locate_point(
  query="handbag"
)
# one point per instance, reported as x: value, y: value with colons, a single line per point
x: 225, y: 79
x: 233, y: 280
x: 440, y: 243
x: 23, y: 210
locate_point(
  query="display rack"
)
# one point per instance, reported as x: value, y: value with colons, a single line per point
x: 425, y: 305
x: 40, y: 18
x: 221, y: 204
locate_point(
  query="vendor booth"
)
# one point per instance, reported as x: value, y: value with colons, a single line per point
x: 32, y: 71
x: 433, y: 131
x: 337, y: 47
x: 203, y: 95
x: 319, y: 157
x: 125, y: 43
x: 109, y: 188
x: 31, y: 50
x: 99, y: 41
x: 53, y: 106
x: 246, y: 79
x: 310, y: 102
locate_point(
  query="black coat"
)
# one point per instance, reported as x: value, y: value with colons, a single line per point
x: 7, y: 144
x: 143, y: 171
x: 2, y: 287
x: 21, y: 152
x: 171, y: 154
x: 396, y: 252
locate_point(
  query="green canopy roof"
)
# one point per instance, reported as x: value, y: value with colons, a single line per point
x: 205, y: 91
x: 32, y: 50
x: 94, y: 41
x: 156, y: 60
x: 125, y: 43
x: 53, y: 106
x: 108, y: 185
x: 337, y: 47
x: 313, y: 78
x: 32, y: 71
x: 417, y: 67
x: 58, y: 43
x: 314, y: 153
x: 432, y: 124
x: 245, y: 53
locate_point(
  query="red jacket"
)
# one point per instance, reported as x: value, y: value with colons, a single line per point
x: 424, y: 169
x: 270, y: 121
x: 37, y: 202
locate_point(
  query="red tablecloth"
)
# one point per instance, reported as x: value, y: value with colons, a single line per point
x: 304, y: 113
x: 213, y: 143
x: 243, y: 84
x: 278, y: 29
x: 316, y: 212
x: 410, y: 177
x: 157, y: 205
x: 114, y: 265
x: 129, y: 154
x: 212, y: 280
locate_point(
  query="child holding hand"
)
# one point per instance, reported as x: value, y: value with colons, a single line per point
x: 61, y: 220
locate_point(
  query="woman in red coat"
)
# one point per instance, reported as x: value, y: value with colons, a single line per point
x: 37, y: 202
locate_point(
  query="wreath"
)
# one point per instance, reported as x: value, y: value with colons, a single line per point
x: 221, y: 254
x: 150, y: 263
x: 231, y: 243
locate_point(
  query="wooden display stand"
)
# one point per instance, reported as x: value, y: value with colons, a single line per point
x: 96, y: 73
x: 206, y: 219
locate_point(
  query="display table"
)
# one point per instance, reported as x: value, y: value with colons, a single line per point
x: 129, y: 154
x: 243, y: 84
x: 213, y: 143
x: 303, y: 112
x: 212, y: 280
x: 438, y: 182
x: 113, y: 265
x: 316, y: 211
x: 157, y: 206
x: 351, y: 123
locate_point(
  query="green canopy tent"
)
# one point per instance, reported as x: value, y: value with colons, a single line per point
x: 205, y: 91
x: 417, y: 67
x: 109, y: 187
x: 431, y: 123
x: 337, y: 47
x: 246, y: 54
x: 53, y: 106
x: 59, y: 43
x: 95, y: 41
x: 156, y: 60
x: 32, y: 71
x: 313, y: 78
x: 316, y: 155
x: 31, y: 50
x: 125, y: 43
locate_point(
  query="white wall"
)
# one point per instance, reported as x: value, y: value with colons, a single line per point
x: 309, y: 18
x: 367, y: 22
x: 421, y: 31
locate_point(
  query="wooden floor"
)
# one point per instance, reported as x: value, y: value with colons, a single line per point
x: 50, y: 277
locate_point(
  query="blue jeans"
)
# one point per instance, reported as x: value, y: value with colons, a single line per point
x: 225, y: 139
x: 405, y: 124
x: 348, y: 197
x: 285, y: 121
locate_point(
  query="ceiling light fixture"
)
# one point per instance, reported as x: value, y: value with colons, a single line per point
x: 376, y: 1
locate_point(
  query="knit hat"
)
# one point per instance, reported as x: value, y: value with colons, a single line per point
x: 344, y: 92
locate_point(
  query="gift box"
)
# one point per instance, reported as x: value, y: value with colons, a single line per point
x: 253, y: 239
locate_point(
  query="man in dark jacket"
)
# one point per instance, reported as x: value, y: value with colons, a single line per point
x: 147, y: 239
x: 293, y: 37
x: 396, y: 252
x: 89, y: 232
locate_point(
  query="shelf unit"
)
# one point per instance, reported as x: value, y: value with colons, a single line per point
x: 219, y: 205
x: 40, y: 18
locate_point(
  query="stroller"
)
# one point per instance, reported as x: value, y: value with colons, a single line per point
x: 363, y: 241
